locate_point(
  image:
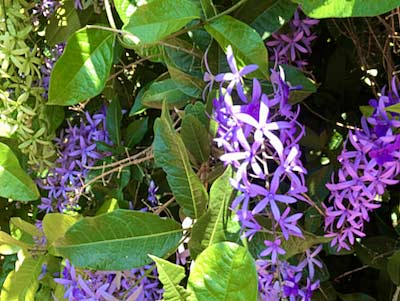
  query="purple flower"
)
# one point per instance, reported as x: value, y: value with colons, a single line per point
x: 151, y: 194
x: 273, y: 249
x: 310, y: 261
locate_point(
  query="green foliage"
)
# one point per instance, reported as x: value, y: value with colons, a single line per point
x: 217, y: 225
x: 346, y: 8
x: 224, y: 271
x: 135, y: 132
x: 118, y: 240
x: 82, y: 70
x: 55, y: 225
x: 247, y: 45
x: 170, y: 276
x: 14, y: 182
x: 113, y: 121
x: 196, y: 138
x: 170, y: 154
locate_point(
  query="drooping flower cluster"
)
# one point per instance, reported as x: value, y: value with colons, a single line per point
x: 259, y: 134
x: 48, y: 64
x: 137, y: 284
x: 290, y: 47
x: 370, y: 161
x: 77, y: 153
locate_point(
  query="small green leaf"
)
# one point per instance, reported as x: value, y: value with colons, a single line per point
x: 22, y: 285
x: 23, y: 231
x: 199, y: 111
x: 9, y: 245
x: 113, y: 121
x: 188, y: 84
x: 164, y: 90
x: 346, y: 8
x: 119, y: 240
x: 56, y: 224
x: 393, y: 267
x: 170, y: 276
x: 170, y: 154
x: 208, y: 8
x: 248, y: 47
x: 217, y: 224
x: 156, y: 20
x: 394, y: 108
x: 196, y: 138
x: 135, y: 132
x: 223, y: 272
x: 63, y: 23
x: 125, y: 8
x: 108, y: 206
x: 14, y: 182
x: 297, y: 78
x: 81, y: 72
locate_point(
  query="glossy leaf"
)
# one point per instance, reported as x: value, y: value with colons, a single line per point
x: 170, y: 276
x: 56, y: 224
x: 119, y: 240
x: 135, y: 132
x: 14, y: 182
x: 247, y: 45
x: 217, y: 224
x: 22, y: 285
x: 195, y: 137
x: 164, y: 90
x: 113, y: 121
x: 81, y: 72
x: 346, y: 8
x: 170, y: 154
x: 224, y: 271
x: 156, y: 20
x: 63, y: 23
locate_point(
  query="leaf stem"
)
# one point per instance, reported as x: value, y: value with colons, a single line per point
x: 227, y: 11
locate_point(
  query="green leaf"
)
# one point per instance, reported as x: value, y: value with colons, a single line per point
x: 295, y: 245
x: 346, y: 8
x: 297, y: 78
x: 196, y: 138
x: 136, y: 132
x: 208, y: 8
x: 22, y: 285
x: 119, y: 240
x: 393, y: 267
x: 23, y: 231
x: 156, y: 20
x: 248, y: 47
x: 63, y: 23
x: 113, y: 121
x: 274, y: 17
x: 55, y: 116
x: 9, y: 245
x: 356, y: 297
x: 14, y: 182
x: 190, y: 85
x: 170, y: 276
x: 125, y: 8
x: 56, y: 224
x: 82, y: 71
x: 108, y: 206
x: 394, y: 108
x: 165, y: 90
x: 170, y: 154
x: 224, y: 271
x: 217, y: 224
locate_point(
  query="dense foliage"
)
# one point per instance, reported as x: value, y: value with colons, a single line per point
x: 199, y: 150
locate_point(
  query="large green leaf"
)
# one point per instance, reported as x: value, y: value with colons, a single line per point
x: 165, y: 90
x: 223, y: 272
x: 14, y: 182
x: 23, y: 284
x: 23, y: 231
x: 248, y: 47
x: 346, y: 8
x: 170, y: 276
x: 196, y: 138
x: 217, y: 224
x: 119, y: 240
x: 10, y: 245
x: 273, y: 17
x: 81, y: 72
x: 170, y: 154
x: 56, y: 224
x: 156, y: 20
x: 63, y: 23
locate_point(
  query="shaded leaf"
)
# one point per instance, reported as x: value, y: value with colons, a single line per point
x: 297, y: 78
x: 14, y: 182
x: 196, y: 138
x: 170, y: 154
x: 188, y: 84
x: 22, y: 230
x: 170, y: 276
x: 119, y: 240
x: 393, y: 267
x: 135, y: 132
x: 224, y: 271
x: 113, y: 121
x: 81, y: 72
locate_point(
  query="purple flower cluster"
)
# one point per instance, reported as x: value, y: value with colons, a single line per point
x: 45, y: 8
x: 259, y: 134
x: 77, y: 153
x: 288, y: 48
x: 370, y: 161
x: 49, y: 61
x: 137, y: 284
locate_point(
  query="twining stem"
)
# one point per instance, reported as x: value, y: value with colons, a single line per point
x: 109, y: 14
